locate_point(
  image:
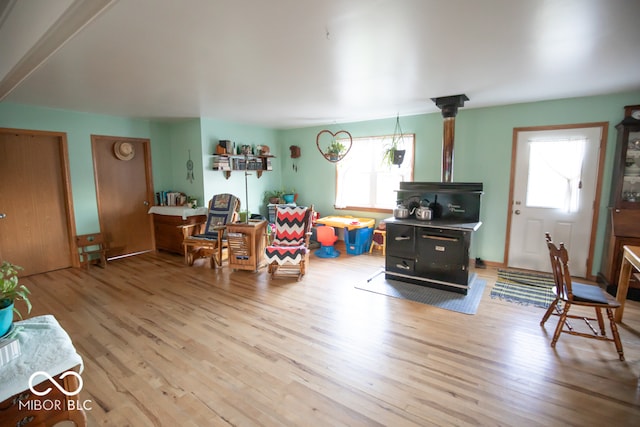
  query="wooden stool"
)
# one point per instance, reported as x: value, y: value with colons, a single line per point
x: 383, y: 245
x: 91, y: 248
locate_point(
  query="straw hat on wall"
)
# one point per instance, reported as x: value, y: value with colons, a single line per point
x: 124, y: 150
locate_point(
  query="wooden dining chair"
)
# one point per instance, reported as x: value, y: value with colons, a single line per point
x: 569, y: 294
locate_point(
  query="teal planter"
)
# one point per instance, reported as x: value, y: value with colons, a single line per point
x: 289, y: 198
x: 6, y: 319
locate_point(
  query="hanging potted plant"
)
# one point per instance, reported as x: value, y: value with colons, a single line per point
x: 335, y: 150
x: 394, y: 154
x: 10, y: 292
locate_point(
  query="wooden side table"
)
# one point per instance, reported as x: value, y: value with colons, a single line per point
x: 246, y: 244
x: 30, y: 372
x: 630, y: 261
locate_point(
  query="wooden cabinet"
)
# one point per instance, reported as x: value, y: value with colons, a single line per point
x: 168, y: 222
x: 623, y: 222
x: 623, y: 228
x: 42, y: 386
x: 625, y: 184
x: 246, y: 244
x: 228, y: 163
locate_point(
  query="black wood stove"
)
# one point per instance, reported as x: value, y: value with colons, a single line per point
x: 434, y: 252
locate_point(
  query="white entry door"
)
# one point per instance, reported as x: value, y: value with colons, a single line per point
x: 554, y: 191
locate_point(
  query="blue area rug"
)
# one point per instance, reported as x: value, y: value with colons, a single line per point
x: 467, y: 304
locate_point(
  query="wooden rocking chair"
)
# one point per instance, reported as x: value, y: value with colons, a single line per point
x: 288, y: 252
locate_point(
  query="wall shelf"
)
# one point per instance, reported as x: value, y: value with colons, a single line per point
x: 228, y: 163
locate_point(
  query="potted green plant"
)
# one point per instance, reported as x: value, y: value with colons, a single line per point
x: 289, y: 196
x: 335, y: 150
x: 273, y: 197
x: 393, y: 155
x: 10, y: 292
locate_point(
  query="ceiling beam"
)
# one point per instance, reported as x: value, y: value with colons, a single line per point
x: 77, y: 16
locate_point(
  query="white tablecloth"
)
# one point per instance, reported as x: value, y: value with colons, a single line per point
x: 44, y: 346
x: 182, y: 211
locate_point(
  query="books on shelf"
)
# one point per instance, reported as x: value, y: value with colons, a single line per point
x: 221, y: 163
x: 170, y: 198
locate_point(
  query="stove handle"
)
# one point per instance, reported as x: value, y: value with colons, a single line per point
x: 446, y: 239
x: 402, y: 238
x: 403, y: 266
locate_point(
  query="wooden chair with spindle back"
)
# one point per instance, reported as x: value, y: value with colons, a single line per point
x: 570, y: 293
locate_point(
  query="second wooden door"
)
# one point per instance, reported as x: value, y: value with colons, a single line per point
x: 125, y: 191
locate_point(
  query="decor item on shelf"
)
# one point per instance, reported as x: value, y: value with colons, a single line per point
x: 10, y: 292
x: 224, y: 146
x: 265, y: 150
x: 394, y: 154
x: 124, y: 150
x: 336, y: 150
x: 190, y: 177
x: 246, y: 150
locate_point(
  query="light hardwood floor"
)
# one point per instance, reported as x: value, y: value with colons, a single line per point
x: 169, y: 345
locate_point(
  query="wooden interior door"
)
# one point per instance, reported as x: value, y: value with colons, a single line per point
x: 125, y: 191
x: 36, y: 227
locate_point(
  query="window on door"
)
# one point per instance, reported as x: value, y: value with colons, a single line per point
x: 364, y: 181
x: 555, y: 173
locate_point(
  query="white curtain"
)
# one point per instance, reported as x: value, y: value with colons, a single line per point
x: 555, y: 173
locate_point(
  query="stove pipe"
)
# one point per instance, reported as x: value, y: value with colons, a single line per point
x: 449, y: 106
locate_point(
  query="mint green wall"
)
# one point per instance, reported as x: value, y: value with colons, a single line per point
x: 161, y: 155
x: 79, y: 127
x: 482, y: 153
x: 184, y: 136
x: 214, y: 181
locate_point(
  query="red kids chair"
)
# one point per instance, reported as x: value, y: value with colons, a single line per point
x: 326, y: 236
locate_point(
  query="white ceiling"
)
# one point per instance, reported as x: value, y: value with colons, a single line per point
x: 296, y: 63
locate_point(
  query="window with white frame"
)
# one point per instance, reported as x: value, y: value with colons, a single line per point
x: 365, y: 180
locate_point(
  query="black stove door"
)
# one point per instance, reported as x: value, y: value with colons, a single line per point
x: 443, y: 255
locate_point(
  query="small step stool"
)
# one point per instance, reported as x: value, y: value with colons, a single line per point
x: 91, y: 248
x: 380, y: 246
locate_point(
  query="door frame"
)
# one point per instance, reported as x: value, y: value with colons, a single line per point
x: 146, y: 143
x: 598, y: 192
x: 66, y: 183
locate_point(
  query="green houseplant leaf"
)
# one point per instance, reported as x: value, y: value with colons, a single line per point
x: 10, y: 289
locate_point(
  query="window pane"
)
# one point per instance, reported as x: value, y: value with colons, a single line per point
x: 365, y: 181
x: 555, y: 169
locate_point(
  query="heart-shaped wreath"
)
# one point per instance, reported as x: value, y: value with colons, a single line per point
x: 336, y: 150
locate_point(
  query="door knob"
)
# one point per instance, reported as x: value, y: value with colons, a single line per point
x: 146, y: 203
x: 517, y: 212
x: 2, y: 215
